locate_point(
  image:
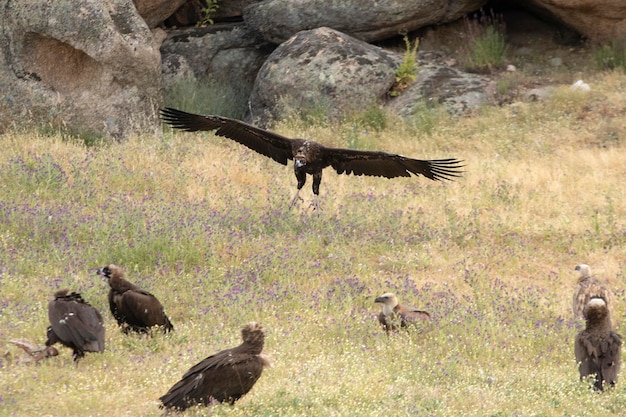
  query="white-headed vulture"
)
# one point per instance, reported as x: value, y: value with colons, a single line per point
x: 134, y: 309
x: 587, y: 287
x: 223, y: 377
x: 312, y: 157
x: 394, y: 315
x: 75, y: 323
x: 598, y: 347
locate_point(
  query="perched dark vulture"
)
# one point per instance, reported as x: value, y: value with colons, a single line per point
x: 394, y: 315
x: 133, y: 308
x: 587, y: 287
x: 598, y: 347
x: 75, y: 323
x: 34, y: 352
x: 223, y: 377
x: 311, y: 157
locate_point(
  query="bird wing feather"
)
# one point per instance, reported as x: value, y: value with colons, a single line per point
x: 610, y: 359
x: 79, y: 324
x: 267, y: 143
x: 383, y: 164
x: 142, y: 308
x: 225, y: 376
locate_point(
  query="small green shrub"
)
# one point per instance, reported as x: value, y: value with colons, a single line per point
x: 407, y: 71
x: 207, y: 8
x: 487, y: 44
x: 489, y: 51
x: 611, y: 56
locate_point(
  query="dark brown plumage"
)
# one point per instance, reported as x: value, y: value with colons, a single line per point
x: 394, y: 316
x: 312, y: 157
x: 588, y: 287
x: 75, y: 323
x: 598, y: 347
x: 133, y: 308
x: 223, y: 377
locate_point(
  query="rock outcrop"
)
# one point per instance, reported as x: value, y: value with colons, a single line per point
x: 229, y: 53
x: 89, y: 67
x: 322, y: 70
x: 460, y: 93
x: 154, y: 12
x: 599, y: 20
x: 278, y: 20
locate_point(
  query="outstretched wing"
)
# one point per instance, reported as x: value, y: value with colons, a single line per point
x: 383, y: 164
x: 267, y: 143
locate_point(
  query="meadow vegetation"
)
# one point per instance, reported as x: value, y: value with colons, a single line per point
x: 204, y: 224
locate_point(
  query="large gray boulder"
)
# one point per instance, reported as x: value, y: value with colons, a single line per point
x: 229, y: 53
x: 600, y: 20
x: 278, y: 20
x: 320, y: 70
x: 460, y: 93
x: 154, y: 12
x: 88, y: 66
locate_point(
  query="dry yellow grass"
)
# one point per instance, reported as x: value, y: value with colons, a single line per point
x: 204, y: 224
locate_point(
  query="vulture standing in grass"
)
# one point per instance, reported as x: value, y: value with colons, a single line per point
x: 312, y: 157
x: 133, y: 308
x: 75, y: 323
x: 223, y: 377
x: 598, y: 347
x: 394, y: 315
x: 587, y: 287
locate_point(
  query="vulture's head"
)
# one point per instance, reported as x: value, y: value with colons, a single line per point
x: 61, y: 293
x: 389, y: 302
x: 596, y: 309
x: 110, y: 271
x: 299, y: 158
x: 252, y: 333
x: 585, y: 271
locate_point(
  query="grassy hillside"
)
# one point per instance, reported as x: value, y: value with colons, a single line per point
x: 204, y: 224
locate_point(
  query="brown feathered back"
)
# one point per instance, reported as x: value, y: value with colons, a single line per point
x: 75, y: 324
x: 223, y: 377
x: 134, y: 309
x: 587, y: 287
x: 394, y: 315
x: 598, y: 347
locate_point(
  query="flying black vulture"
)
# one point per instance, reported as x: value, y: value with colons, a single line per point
x: 587, y: 287
x: 598, y: 347
x: 75, y: 323
x: 312, y: 157
x: 223, y: 377
x: 133, y: 308
x: 394, y: 315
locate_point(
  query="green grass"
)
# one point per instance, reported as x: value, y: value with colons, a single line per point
x: 611, y: 55
x: 204, y: 224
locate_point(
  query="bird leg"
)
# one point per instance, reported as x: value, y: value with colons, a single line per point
x: 301, y: 177
x: 315, y: 203
x: 295, y: 199
x: 317, y: 180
